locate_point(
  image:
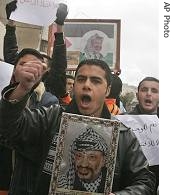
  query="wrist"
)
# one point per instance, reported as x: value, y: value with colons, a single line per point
x: 59, y: 27
x: 11, y: 22
x: 16, y: 94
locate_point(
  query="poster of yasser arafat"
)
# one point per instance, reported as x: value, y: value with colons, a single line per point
x: 85, y: 156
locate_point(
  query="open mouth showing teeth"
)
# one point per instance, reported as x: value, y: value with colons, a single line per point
x: 148, y: 101
x: 86, y: 99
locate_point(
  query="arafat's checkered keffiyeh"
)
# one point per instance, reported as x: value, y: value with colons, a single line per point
x: 90, y: 140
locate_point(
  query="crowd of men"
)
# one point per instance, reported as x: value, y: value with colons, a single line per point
x: 30, y: 115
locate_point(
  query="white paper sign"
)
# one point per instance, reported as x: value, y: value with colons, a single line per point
x: 5, y: 74
x: 146, y: 128
x: 40, y: 12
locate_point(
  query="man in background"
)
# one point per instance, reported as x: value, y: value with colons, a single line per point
x: 69, y: 84
x: 148, y: 103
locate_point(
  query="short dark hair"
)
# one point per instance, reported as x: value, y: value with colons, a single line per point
x: 69, y: 76
x: 26, y: 51
x: 147, y: 79
x: 116, y: 87
x: 100, y: 63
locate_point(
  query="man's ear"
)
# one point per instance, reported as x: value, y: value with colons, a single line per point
x: 108, y: 89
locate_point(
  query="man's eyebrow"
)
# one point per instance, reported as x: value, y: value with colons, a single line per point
x: 80, y: 75
x: 153, y: 88
x: 90, y: 77
x: 96, y: 77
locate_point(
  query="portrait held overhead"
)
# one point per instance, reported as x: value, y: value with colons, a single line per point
x: 90, y: 39
x: 93, y: 48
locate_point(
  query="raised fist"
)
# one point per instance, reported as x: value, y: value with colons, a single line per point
x: 10, y: 7
x: 61, y: 14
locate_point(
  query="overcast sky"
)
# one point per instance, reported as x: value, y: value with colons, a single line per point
x: 139, y: 32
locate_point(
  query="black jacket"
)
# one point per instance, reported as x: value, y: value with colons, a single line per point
x: 10, y: 49
x: 31, y: 132
x: 39, y: 97
x: 136, y: 110
x: 5, y: 167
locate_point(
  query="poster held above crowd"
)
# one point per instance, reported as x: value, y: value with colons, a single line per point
x: 90, y: 38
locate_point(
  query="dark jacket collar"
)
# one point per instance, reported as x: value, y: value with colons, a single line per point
x: 137, y: 110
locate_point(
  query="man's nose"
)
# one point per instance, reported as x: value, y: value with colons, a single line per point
x: 149, y: 92
x: 87, y: 83
x: 84, y: 161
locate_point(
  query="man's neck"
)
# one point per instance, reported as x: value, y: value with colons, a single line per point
x: 147, y: 112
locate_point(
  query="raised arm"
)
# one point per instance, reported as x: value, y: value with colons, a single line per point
x: 56, y: 80
x: 10, y: 48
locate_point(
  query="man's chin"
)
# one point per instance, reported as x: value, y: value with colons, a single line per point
x: 84, y: 178
x: 149, y: 110
x: 85, y: 112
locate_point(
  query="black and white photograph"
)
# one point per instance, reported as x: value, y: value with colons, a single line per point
x: 85, y: 155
